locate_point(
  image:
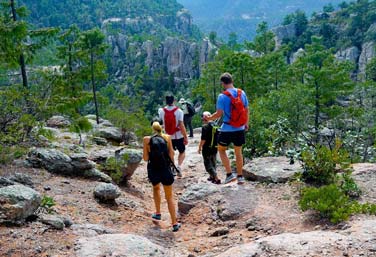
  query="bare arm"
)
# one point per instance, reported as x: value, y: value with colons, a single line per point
x: 170, y: 149
x: 214, y: 116
x: 145, y: 154
x: 183, y: 131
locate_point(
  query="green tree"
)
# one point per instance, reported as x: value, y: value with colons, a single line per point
x: 263, y: 42
x: 18, y: 44
x: 92, y: 48
x: 326, y: 78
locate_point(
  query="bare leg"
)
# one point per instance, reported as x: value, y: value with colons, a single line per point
x: 181, y: 157
x: 157, y: 198
x: 224, y: 158
x: 239, y: 159
x: 170, y: 203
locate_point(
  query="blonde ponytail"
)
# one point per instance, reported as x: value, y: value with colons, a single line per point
x: 157, y: 128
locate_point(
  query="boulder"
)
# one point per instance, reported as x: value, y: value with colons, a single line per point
x: 110, y: 133
x: 194, y: 194
x: 51, y: 159
x: 17, y: 202
x: 106, y: 192
x: 80, y: 161
x: 132, y: 158
x: 271, y: 169
x: 58, y: 122
x: 52, y: 220
x: 120, y: 245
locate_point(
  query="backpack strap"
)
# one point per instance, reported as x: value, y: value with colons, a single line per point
x: 173, y: 110
x: 214, y: 130
x: 239, y: 92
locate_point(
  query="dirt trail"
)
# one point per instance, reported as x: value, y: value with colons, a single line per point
x: 276, y: 212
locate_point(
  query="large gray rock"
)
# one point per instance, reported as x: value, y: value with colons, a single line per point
x: 51, y: 159
x: 368, y: 52
x: 284, y: 32
x: 194, y: 194
x: 52, y: 220
x: 80, y: 161
x: 364, y: 175
x: 235, y: 200
x: 107, y: 192
x: 120, y: 245
x: 22, y: 178
x: 358, y: 240
x: 17, y: 203
x: 58, y: 122
x: 96, y: 174
x: 349, y: 54
x: 288, y: 244
x: 271, y: 169
x: 58, y: 162
x: 132, y: 158
x: 90, y: 230
x: 110, y: 133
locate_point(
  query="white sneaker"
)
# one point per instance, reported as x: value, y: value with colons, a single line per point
x: 230, y: 178
x: 178, y: 172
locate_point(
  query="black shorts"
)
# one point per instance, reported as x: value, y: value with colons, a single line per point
x: 178, y: 144
x: 157, y: 176
x: 235, y: 137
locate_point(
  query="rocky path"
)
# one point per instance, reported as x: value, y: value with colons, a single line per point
x: 254, y: 219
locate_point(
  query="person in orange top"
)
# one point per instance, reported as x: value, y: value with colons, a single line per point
x: 158, y: 152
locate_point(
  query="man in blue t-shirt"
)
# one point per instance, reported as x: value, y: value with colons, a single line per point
x: 228, y: 133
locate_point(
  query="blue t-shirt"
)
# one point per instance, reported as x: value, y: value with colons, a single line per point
x: 224, y: 104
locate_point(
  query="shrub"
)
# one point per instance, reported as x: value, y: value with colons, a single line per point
x: 322, y: 164
x: 114, y: 167
x: 348, y: 185
x: 329, y: 201
x: 9, y: 153
x: 47, y: 203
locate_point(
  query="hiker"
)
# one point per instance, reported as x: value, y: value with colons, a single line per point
x: 158, y: 152
x: 235, y: 123
x: 172, y: 117
x: 188, y: 111
x: 208, y: 147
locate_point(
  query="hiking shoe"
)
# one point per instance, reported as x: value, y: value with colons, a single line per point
x: 176, y: 227
x: 211, y: 179
x: 156, y: 216
x: 230, y: 178
x: 241, y: 180
x: 216, y: 181
x: 178, y: 172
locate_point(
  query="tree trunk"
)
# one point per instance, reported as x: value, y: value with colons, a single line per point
x: 22, y: 57
x: 93, y: 86
x: 317, y: 112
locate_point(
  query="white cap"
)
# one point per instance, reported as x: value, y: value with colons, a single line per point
x: 182, y: 100
x: 206, y: 113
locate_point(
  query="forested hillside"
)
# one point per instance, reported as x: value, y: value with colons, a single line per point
x: 242, y: 16
x: 123, y: 56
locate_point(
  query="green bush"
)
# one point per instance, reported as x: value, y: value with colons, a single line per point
x: 47, y: 203
x: 321, y: 165
x: 10, y: 153
x: 348, y: 185
x: 330, y: 201
x: 114, y: 167
x: 46, y: 133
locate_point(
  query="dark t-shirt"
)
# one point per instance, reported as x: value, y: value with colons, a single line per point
x: 207, y: 134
